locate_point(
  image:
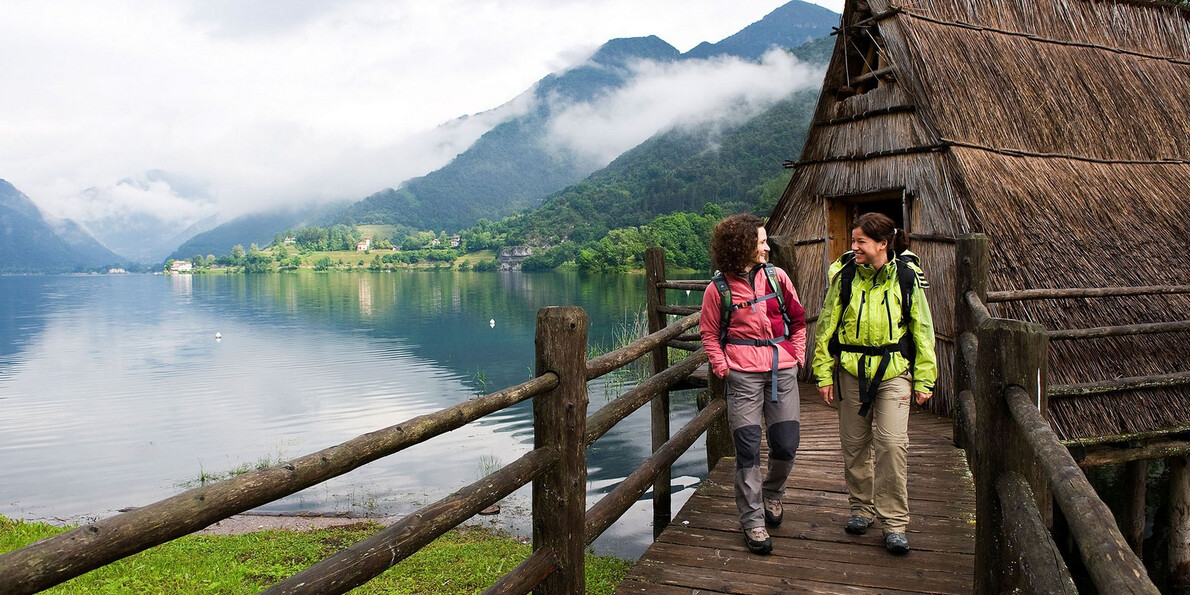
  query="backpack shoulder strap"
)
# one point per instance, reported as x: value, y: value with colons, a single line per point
x: 846, y: 277
x: 725, y: 305
x: 909, y: 274
x: 770, y: 272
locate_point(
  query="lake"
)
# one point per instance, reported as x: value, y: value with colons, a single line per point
x: 116, y: 392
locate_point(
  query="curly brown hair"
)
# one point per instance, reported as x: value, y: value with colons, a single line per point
x: 733, y: 242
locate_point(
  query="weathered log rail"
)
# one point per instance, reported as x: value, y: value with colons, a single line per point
x: 556, y: 467
x: 1020, y: 466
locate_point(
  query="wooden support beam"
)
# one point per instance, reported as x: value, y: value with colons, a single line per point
x: 559, y: 421
x: 1084, y: 292
x: 526, y: 575
x: 659, y: 410
x: 1120, y: 384
x: 678, y: 310
x: 367, y: 559
x: 1120, y: 330
x: 1179, y: 524
x: 1132, y: 517
x: 613, y: 360
x: 688, y: 285
x: 1012, y: 355
x: 887, y: 71
x: 1113, y: 567
x: 613, y: 506
x: 971, y: 275
x: 1041, y: 565
x: 1105, y: 454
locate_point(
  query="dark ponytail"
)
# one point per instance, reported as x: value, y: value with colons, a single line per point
x: 882, y: 229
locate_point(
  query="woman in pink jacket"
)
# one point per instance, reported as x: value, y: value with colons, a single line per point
x: 757, y: 355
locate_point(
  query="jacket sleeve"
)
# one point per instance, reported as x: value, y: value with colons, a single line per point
x: 708, y: 324
x: 797, y: 320
x: 824, y: 362
x: 921, y: 324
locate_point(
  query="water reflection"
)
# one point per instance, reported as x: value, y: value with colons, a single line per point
x: 116, y: 392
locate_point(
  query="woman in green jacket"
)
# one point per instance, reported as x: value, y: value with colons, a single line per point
x: 873, y: 353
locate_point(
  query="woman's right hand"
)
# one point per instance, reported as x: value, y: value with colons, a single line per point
x: 827, y: 393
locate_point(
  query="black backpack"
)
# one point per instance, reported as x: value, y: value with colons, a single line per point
x: 907, y: 277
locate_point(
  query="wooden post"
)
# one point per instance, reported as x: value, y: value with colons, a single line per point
x: 559, y: 421
x: 1179, y: 524
x: 971, y: 273
x: 1132, y: 521
x: 654, y: 298
x: 1011, y: 352
x: 719, y: 440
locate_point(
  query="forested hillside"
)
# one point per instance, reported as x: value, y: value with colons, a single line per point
x: 677, y: 183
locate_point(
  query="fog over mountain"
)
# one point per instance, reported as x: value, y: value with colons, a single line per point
x: 554, y: 133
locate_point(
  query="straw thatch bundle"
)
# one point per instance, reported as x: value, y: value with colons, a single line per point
x: 1059, y: 128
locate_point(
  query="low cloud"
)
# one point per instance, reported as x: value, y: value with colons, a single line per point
x: 671, y: 95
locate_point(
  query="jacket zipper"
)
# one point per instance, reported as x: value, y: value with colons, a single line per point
x: 888, y: 310
x: 859, y: 317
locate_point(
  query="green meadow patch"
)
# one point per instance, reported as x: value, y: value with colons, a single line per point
x: 465, y: 560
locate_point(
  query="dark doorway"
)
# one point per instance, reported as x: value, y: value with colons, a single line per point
x: 841, y: 212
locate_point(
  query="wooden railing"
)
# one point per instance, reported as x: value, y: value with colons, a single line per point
x: 562, y: 525
x: 1020, y: 466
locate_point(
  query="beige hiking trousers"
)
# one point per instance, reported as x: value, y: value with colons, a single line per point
x: 875, y: 450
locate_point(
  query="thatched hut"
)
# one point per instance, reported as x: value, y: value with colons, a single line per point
x: 1059, y: 128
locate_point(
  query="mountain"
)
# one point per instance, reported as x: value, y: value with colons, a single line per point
x: 788, y: 26
x: 515, y: 166
x: 511, y: 166
x: 682, y: 170
x: 146, y: 235
x: 254, y: 228
x: 31, y: 244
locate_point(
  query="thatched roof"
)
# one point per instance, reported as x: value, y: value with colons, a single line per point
x: 1059, y: 128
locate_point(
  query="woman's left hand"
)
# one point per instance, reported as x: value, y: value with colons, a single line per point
x: 921, y: 397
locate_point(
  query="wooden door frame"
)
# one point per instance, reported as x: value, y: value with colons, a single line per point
x: 839, y: 213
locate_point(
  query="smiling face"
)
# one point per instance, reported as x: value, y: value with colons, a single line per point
x: 761, y: 255
x: 868, y: 251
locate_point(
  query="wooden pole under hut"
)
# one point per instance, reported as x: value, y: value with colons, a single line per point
x: 1179, y: 524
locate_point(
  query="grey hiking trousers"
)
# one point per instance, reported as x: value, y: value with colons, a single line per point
x: 750, y: 404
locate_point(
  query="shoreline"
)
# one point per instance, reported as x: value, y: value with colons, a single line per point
x: 249, y: 522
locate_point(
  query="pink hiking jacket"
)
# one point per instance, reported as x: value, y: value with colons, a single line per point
x: 760, y: 321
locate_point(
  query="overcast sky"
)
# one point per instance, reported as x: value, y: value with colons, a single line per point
x: 250, y: 103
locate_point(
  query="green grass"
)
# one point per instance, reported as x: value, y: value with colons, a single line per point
x: 466, y: 560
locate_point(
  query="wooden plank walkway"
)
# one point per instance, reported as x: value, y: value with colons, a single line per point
x: 702, y: 551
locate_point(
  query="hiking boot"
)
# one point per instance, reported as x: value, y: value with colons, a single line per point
x: 773, y: 512
x: 858, y: 525
x: 758, y: 540
x: 896, y: 543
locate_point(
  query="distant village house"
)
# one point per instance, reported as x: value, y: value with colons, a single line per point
x: 510, y: 258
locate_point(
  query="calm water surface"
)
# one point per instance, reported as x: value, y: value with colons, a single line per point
x: 115, y: 392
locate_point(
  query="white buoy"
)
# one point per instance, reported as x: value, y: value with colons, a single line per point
x: 218, y: 336
x: 492, y: 323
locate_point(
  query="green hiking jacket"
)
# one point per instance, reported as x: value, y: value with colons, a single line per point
x: 874, y: 319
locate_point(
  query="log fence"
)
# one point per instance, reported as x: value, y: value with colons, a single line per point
x: 556, y: 467
x: 1021, y: 468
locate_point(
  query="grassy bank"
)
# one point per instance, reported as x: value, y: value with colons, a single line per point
x: 466, y: 560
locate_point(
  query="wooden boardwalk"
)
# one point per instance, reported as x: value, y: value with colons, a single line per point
x: 702, y: 551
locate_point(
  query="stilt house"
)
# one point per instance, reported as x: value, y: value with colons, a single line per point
x: 1058, y: 128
